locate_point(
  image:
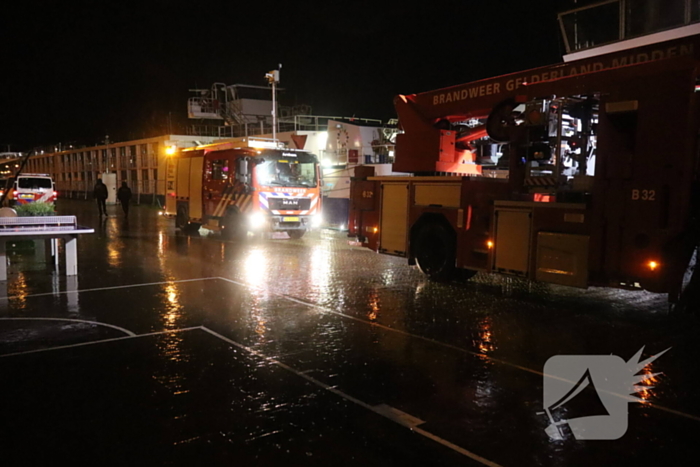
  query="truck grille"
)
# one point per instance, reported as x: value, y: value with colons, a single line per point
x: 289, y: 204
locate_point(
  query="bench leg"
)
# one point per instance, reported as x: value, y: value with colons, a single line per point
x: 54, y: 252
x: 72, y: 257
x: 72, y: 295
x: 3, y: 261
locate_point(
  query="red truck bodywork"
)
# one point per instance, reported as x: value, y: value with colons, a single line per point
x: 626, y: 215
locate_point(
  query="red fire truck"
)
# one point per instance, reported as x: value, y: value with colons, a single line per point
x: 235, y: 189
x: 582, y: 173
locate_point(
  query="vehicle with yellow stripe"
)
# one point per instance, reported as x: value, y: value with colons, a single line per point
x: 236, y: 189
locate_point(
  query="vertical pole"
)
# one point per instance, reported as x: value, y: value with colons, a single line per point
x: 558, y: 159
x: 274, y: 110
x: 622, y: 19
x: 54, y: 252
x: 3, y: 261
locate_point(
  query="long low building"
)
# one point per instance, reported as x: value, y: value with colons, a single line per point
x: 141, y: 163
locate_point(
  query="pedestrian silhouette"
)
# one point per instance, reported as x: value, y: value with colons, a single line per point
x: 100, y: 194
x: 124, y: 195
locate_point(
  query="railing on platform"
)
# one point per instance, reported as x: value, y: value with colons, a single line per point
x: 616, y: 20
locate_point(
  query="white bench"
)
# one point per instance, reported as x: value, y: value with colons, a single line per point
x: 50, y: 228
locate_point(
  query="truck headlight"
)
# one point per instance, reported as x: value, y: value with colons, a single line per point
x: 316, y: 221
x: 257, y: 220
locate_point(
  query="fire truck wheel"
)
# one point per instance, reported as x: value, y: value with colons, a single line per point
x: 296, y: 234
x: 181, y: 217
x: 466, y: 274
x: 435, y: 252
x: 233, y: 227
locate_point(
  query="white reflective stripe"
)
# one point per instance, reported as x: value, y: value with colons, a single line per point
x: 218, y: 206
x: 245, y: 204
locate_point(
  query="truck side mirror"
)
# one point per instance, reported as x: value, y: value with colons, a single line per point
x: 242, y: 174
x: 241, y: 169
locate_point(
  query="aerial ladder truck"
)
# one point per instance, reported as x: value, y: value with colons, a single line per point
x: 584, y: 173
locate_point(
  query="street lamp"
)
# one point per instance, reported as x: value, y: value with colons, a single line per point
x: 273, y: 77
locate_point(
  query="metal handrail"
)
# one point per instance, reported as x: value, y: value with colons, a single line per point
x: 623, y: 19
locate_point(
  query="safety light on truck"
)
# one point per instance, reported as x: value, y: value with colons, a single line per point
x: 653, y: 265
x: 489, y: 244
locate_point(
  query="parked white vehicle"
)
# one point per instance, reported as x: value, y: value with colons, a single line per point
x: 29, y: 188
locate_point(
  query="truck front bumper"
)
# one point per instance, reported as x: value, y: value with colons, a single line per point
x: 295, y: 222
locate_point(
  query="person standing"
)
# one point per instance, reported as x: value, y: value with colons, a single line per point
x: 124, y: 196
x: 100, y: 194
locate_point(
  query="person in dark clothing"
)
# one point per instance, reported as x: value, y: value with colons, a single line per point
x: 124, y: 195
x: 100, y: 193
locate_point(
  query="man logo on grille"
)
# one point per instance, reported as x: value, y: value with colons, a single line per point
x: 587, y: 395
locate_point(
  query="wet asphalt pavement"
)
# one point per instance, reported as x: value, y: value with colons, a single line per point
x: 169, y: 349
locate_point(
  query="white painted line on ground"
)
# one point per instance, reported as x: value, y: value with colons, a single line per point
x: 398, y: 416
x: 125, y: 331
x: 102, y: 341
x: 116, y: 287
x: 349, y: 398
x: 453, y: 347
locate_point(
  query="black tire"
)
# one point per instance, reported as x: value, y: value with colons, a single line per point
x: 182, y: 217
x: 296, y: 234
x: 232, y: 227
x: 435, y: 250
x: 466, y: 274
x: 192, y: 228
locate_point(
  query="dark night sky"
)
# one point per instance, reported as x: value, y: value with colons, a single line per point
x: 74, y: 71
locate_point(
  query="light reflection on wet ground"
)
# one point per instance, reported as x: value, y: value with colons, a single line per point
x: 281, y: 298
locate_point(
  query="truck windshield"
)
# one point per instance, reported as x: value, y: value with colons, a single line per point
x: 286, y: 173
x: 33, y: 183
